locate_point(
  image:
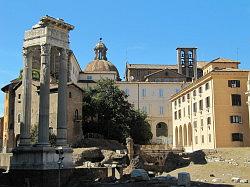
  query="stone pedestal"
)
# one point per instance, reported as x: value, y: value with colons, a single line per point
x: 39, y: 158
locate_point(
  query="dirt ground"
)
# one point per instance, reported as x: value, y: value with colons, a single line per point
x: 222, y: 165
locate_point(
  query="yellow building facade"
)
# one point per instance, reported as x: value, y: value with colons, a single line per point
x: 212, y: 112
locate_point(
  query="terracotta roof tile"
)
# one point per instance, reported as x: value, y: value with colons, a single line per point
x: 222, y: 60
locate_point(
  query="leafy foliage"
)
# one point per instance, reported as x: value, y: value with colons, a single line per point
x: 34, y: 136
x: 106, y: 111
x: 35, y: 74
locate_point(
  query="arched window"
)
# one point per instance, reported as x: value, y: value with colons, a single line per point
x: 76, y: 114
x: 51, y: 130
x: 161, y: 129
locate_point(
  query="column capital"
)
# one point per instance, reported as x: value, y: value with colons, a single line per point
x: 45, y: 49
x: 63, y: 51
x: 26, y: 51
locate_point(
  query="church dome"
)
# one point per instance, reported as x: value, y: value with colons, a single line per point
x: 100, y: 62
x: 99, y: 66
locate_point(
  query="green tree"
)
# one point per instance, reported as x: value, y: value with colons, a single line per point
x: 106, y: 111
x: 34, y: 136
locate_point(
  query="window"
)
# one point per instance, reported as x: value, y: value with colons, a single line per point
x: 70, y: 95
x: 179, y: 114
x: 183, y: 98
x: 51, y: 130
x: 236, y: 100
x: 175, y: 103
x: 19, y: 98
x: 207, y: 102
x: 188, y: 109
x: 202, y: 139
x: 194, y: 107
x: 200, y: 89
x: 195, y: 124
x: 201, y: 122
x: 188, y: 96
x: 194, y: 93
x: 184, y: 112
x: 144, y: 109
x: 209, y: 137
x: 143, y: 92
x: 76, y: 114
x: 235, y: 119
x: 196, y: 139
x: 209, y: 120
x: 207, y: 86
x: 175, y: 115
x: 234, y: 83
x: 237, y: 137
x: 18, y: 118
x: 89, y: 77
x: 179, y: 101
x: 201, y: 104
x: 161, y: 92
x: 161, y: 110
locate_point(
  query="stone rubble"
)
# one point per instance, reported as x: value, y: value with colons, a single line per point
x: 217, y: 180
x: 244, y: 181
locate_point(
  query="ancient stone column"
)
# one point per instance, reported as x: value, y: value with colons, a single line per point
x: 26, y: 99
x: 43, y: 126
x: 62, y: 100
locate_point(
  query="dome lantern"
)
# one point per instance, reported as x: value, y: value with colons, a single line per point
x: 100, y: 51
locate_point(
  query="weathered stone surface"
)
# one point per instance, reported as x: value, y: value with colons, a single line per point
x: 184, y: 179
x: 244, y: 181
x: 235, y: 179
x: 39, y: 158
x: 81, y: 155
x: 217, y: 180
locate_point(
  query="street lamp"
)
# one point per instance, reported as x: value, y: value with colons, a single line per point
x: 59, y: 151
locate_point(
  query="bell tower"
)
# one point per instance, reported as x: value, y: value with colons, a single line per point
x: 187, y: 62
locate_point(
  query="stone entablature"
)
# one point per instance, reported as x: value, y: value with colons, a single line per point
x: 50, y: 31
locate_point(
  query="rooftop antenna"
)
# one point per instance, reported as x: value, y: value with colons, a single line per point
x: 126, y: 61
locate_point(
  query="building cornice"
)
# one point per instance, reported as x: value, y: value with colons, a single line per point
x: 203, y: 79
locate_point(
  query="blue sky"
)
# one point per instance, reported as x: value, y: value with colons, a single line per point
x: 140, y: 31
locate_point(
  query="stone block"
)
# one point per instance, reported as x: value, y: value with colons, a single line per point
x: 39, y: 158
x: 235, y: 179
x: 244, y: 181
x: 184, y: 179
x: 217, y: 180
